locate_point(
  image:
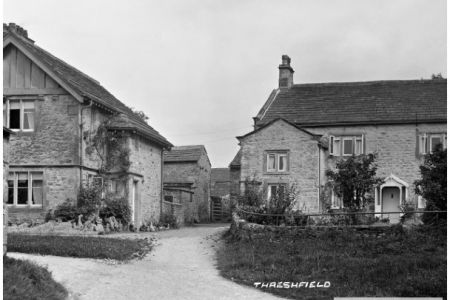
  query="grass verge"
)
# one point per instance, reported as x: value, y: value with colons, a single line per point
x: 79, y: 246
x: 25, y: 280
x: 399, y: 263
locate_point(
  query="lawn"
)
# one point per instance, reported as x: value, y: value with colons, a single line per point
x: 79, y: 246
x: 25, y: 280
x: 399, y: 263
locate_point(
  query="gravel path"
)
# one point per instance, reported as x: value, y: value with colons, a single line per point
x: 181, y: 266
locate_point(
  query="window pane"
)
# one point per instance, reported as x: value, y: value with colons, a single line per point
x: 271, y: 162
x: 358, y: 147
x: 282, y: 163
x: 22, y: 188
x: 435, y: 142
x: 273, y: 191
x: 10, y: 191
x: 337, y: 147
x: 332, y: 144
x: 14, y: 118
x: 37, y: 196
x: 280, y: 191
x: 348, y: 147
x: 28, y: 119
x: 28, y: 105
x: 14, y: 104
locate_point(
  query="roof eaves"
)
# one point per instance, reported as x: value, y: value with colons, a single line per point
x: 260, y: 127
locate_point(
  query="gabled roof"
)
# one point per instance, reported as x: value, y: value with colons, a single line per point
x: 220, y: 174
x: 273, y: 121
x: 190, y: 153
x: 76, y: 81
x: 356, y: 103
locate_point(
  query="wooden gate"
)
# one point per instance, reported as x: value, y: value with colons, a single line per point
x: 218, y: 212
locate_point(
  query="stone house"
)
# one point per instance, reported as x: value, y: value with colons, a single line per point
x: 6, y: 135
x: 187, y: 170
x: 304, y: 129
x: 71, y: 132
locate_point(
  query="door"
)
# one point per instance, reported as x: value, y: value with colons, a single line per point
x: 391, y: 203
x: 133, y: 202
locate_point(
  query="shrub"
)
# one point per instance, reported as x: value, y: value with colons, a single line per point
x: 252, y: 194
x: 66, y: 211
x: 116, y: 207
x: 169, y: 219
x: 89, y: 199
x: 433, y: 185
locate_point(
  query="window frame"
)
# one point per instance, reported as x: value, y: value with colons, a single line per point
x: 277, y: 185
x: 29, y: 189
x: 336, y: 202
x: 21, y: 114
x: 336, y: 145
x: 277, y: 154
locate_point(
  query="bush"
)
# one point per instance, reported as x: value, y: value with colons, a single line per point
x: 89, y: 199
x: 25, y: 280
x: 66, y: 211
x: 78, y: 246
x: 116, y: 207
x: 169, y: 219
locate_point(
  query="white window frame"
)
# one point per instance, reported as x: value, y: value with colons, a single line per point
x: 29, y: 189
x: 339, y: 142
x: 277, y: 156
x: 22, y: 113
x: 421, y: 202
x: 423, y: 143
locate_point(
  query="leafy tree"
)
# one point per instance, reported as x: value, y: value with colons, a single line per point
x: 433, y: 184
x: 353, y: 179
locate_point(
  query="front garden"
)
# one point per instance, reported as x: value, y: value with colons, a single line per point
x: 352, y: 254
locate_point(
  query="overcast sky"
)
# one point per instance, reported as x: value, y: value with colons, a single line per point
x: 202, y: 69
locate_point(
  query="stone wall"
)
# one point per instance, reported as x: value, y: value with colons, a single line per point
x: 146, y: 161
x: 395, y: 146
x: 55, y: 139
x: 303, y: 162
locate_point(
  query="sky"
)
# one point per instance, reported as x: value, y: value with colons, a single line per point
x: 201, y: 69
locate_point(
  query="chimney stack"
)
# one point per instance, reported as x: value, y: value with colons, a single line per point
x: 13, y: 27
x: 286, y: 79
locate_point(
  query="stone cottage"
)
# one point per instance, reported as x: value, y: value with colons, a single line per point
x: 187, y: 170
x: 303, y: 129
x: 71, y: 132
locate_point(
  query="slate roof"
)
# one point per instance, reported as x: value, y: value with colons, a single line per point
x: 190, y: 153
x: 236, y: 162
x: 220, y: 174
x: 85, y: 85
x: 347, y: 103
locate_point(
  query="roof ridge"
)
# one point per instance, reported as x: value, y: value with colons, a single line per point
x: 349, y: 83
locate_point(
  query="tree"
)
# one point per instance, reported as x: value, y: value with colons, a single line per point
x: 353, y: 179
x: 433, y: 184
x: 140, y: 114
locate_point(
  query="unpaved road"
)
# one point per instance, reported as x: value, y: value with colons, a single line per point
x: 181, y: 266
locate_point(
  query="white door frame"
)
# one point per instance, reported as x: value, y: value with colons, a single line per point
x: 390, y: 181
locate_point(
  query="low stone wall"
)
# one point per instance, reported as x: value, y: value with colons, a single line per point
x: 241, y: 229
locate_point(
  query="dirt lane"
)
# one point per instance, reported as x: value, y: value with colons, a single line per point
x: 180, y: 267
